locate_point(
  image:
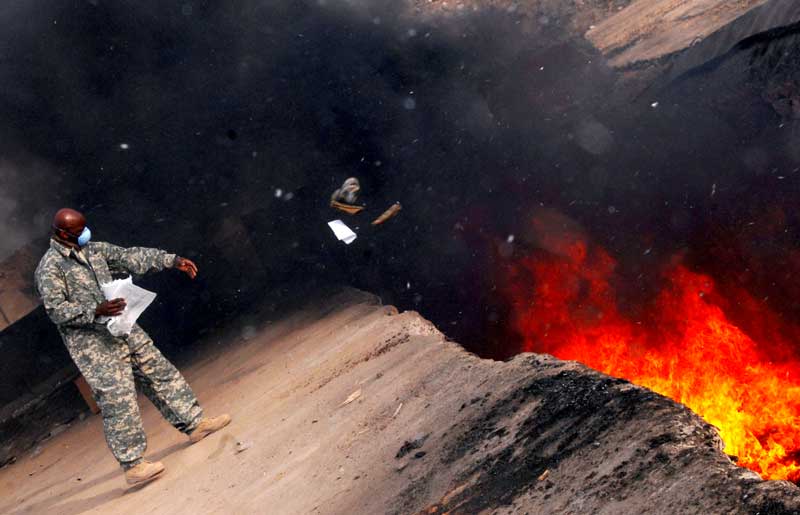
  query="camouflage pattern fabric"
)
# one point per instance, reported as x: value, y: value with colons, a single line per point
x: 68, y: 282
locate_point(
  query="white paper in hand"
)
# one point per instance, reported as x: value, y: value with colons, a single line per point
x: 136, y: 300
x: 342, y: 232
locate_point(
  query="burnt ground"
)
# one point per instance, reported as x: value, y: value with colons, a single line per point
x: 347, y: 407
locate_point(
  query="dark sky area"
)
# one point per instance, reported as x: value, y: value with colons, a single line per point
x: 219, y: 129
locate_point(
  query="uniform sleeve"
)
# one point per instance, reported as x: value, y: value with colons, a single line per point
x: 134, y: 260
x: 53, y: 291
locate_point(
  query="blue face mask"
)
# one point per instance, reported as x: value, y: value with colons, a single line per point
x: 85, y: 237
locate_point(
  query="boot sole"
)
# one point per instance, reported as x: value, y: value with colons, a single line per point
x: 146, y: 480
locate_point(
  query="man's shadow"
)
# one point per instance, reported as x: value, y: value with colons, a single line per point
x: 50, y: 505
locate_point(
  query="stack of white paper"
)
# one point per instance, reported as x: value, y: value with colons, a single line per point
x: 342, y: 232
x: 136, y: 300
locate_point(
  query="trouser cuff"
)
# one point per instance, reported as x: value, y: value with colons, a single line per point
x: 191, y: 427
x: 127, y: 465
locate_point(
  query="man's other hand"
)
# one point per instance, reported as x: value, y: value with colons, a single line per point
x: 110, y: 308
x: 186, y: 266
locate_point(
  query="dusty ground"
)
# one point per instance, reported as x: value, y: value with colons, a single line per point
x: 633, y: 33
x: 429, y: 428
x: 571, y: 17
x: 649, y: 29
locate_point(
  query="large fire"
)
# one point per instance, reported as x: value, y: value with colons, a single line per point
x: 684, y: 345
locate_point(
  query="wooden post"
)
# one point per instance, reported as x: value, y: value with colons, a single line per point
x: 86, y: 393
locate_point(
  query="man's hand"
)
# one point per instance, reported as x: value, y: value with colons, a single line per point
x: 186, y: 266
x: 110, y: 308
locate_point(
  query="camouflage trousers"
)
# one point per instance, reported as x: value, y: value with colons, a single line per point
x: 113, y: 367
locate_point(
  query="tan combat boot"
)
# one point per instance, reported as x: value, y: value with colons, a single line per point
x: 144, y: 472
x: 208, y: 426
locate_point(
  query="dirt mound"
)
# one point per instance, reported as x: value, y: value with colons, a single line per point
x: 349, y: 407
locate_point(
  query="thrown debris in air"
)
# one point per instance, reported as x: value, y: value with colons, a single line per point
x: 397, y: 411
x: 350, y: 210
x: 544, y: 475
x: 342, y: 232
x: 389, y: 213
x: 243, y: 446
x: 345, y: 198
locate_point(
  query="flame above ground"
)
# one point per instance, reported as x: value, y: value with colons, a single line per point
x: 684, y: 346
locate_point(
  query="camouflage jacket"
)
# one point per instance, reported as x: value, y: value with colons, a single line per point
x: 70, y: 287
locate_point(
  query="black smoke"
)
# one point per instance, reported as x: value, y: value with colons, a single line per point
x: 219, y: 130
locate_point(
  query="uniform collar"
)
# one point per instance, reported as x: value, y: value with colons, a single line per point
x: 62, y: 249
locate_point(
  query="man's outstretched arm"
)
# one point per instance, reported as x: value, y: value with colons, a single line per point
x: 142, y: 260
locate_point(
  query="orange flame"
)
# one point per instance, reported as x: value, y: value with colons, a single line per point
x: 685, y: 346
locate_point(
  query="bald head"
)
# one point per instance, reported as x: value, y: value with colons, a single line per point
x: 68, y: 225
x: 67, y: 219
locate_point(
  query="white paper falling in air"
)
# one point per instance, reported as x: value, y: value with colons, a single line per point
x: 342, y: 232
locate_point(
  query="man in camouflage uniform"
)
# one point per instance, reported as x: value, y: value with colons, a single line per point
x: 68, y: 280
